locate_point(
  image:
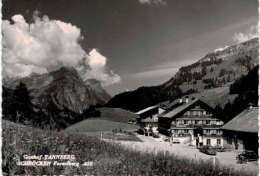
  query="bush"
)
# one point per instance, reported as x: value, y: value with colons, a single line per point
x: 140, y: 131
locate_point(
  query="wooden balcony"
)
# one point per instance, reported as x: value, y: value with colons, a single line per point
x: 195, y: 126
x: 211, y: 135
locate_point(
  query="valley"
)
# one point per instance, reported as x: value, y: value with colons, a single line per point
x: 59, y: 112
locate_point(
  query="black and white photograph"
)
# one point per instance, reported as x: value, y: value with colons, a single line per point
x: 130, y: 87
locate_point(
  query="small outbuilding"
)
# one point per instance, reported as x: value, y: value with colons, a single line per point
x: 241, y: 133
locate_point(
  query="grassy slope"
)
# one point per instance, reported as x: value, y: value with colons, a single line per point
x: 109, y: 159
x: 116, y: 114
x: 215, y: 96
x: 98, y: 125
x: 110, y: 118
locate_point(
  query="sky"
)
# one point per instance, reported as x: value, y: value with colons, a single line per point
x: 125, y: 43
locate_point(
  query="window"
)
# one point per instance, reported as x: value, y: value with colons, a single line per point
x: 196, y: 122
x: 207, y: 122
x: 207, y: 131
x: 208, y: 141
x: 186, y: 131
x: 219, y: 141
x: 185, y: 122
x: 199, y: 113
x: 213, y: 131
x: 218, y: 132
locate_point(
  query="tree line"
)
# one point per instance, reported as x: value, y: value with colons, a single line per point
x: 246, y: 88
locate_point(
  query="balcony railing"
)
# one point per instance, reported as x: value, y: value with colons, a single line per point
x: 188, y: 134
x: 211, y: 135
x: 181, y: 135
x: 196, y: 125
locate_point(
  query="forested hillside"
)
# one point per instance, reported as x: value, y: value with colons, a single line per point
x: 216, y: 69
x: 247, y: 89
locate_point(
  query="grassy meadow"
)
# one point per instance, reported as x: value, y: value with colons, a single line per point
x: 98, y: 125
x: 107, y: 158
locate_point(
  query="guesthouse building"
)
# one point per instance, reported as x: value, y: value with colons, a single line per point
x: 191, y: 121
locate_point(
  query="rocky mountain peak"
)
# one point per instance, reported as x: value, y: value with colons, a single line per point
x: 63, y: 88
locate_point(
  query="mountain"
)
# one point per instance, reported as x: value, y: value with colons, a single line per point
x: 215, y: 71
x: 141, y: 98
x: 98, y: 91
x: 217, y: 68
x: 246, y: 89
x: 63, y: 88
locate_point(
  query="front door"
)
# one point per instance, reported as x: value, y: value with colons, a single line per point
x: 197, y: 131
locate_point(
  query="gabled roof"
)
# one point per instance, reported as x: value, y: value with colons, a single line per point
x: 164, y: 104
x: 172, y: 104
x: 246, y: 121
x: 159, y: 105
x: 178, y: 109
x: 181, y: 108
x: 146, y: 109
x: 149, y: 120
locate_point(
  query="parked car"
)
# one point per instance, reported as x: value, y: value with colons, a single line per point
x: 208, y: 150
x: 246, y: 156
x: 175, y: 141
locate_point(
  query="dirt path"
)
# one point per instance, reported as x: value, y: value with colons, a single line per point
x: 150, y: 144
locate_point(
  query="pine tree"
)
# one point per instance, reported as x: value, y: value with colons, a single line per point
x: 227, y: 111
x: 219, y: 112
x: 22, y: 102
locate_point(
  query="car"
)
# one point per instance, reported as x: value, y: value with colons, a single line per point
x: 208, y: 150
x: 246, y: 156
x: 175, y: 141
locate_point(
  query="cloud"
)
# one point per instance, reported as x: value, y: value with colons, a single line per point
x: 153, y: 2
x: 242, y: 37
x: 94, y: 66
x: 46, y: 45
x: 96, y: 59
